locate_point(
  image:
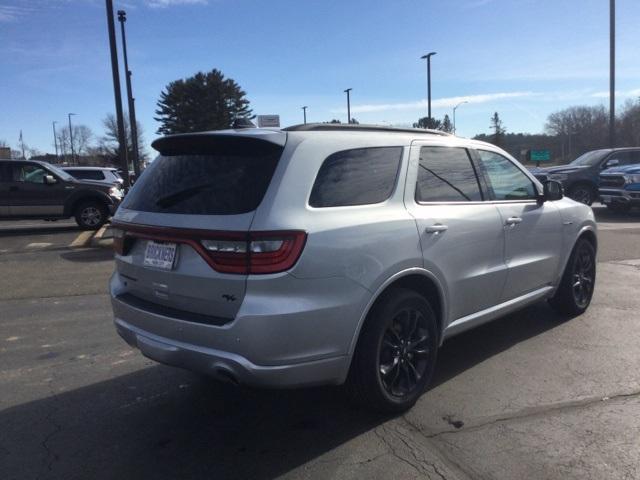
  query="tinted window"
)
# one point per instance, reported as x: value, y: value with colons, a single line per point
x: 5, y: 175
x: 356, y: 177
x: 87, y: 174
x: 446, y: 175
x: 29, y: 173
x: 506, y: 181
x: 629, y: 157
x: 225, y: 183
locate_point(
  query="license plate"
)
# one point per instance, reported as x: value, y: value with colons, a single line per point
x: 160, y: 255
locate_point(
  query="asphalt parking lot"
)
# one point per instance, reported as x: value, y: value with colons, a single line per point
x: 531, y: 395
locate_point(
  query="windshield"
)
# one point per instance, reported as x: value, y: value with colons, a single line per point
x: 59, y: 172
x: 589, y: 159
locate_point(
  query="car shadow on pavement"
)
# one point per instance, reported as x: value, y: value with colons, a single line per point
x: 603, y: 214
x: 165, y: 423
x: 88, y: 255
x: 25, y: 231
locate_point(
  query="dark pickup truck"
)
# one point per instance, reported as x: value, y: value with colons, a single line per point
x: 33, y: 189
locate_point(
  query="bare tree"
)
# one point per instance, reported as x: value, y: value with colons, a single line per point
x: 628, y: 124
x: 82, y: 136
x: 580, y: 128
x: 109, y: 141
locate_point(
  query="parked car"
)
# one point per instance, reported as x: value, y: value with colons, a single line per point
x: 330, y: 254
x: 580, y: 177
x: 105, y: 175
x: 33, y: 189
x: 620, y: 187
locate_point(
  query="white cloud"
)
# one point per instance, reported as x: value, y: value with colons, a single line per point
x: 619, y: 93
x: 447, y: 102
x: 172, y: 3
x: 10, y: 13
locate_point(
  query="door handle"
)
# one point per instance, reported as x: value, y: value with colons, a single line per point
x: 512, y: 221
x: 436, y: 228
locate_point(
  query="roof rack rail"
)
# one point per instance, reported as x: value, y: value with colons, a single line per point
x: 324, y: 127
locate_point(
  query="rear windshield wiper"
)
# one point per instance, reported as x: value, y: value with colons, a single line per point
x: 181, y: 195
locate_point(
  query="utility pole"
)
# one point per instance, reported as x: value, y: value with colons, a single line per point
x: 428, y: 57
x: 133, y: 126
x: 122, y: 142
x: 55, y: 140
x: 612, y: 73
x: 304, y: 112
x: 348, y: 104
x: 71, y: 137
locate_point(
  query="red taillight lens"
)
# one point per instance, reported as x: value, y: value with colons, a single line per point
x: 257, y: 253
x: 118, y: 240
x: 225, y: 252
x: 272, y: 252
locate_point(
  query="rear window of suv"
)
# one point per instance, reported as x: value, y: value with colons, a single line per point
x: 360, y: 176
x: 205, y: 176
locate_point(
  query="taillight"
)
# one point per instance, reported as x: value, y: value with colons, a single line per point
x: 118, y: 240
x: 225, y: 252
x: 256, y: 253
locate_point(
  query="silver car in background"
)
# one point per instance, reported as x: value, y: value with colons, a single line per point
x: 331, y: 254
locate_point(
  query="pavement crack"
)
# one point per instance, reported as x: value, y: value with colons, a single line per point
x: 530, y: 413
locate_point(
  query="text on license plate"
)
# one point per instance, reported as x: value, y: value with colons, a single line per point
x: 160, y: 255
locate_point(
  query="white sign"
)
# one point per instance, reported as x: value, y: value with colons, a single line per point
x: 269, y: 121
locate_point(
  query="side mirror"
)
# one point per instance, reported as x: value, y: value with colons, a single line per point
x: 612, y: 163
x: 553, y: 190
x: 49, y: 180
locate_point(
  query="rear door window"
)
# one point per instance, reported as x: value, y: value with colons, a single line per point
x: 446, y: 174
x: 206, y: 176
x: 360, y: 176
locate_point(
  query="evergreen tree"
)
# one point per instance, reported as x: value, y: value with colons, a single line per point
x: 446, y: 126
x: 206, y: 101
x: 498, y: 130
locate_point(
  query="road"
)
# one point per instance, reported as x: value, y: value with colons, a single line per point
x: 528, y: 396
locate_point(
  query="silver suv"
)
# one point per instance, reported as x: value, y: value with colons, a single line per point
x: 324, y: 254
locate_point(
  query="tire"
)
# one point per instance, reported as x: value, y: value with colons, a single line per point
x: 400, y: 335
x: 582, y: 193
x: 578, y: 281
x: 91, y: 214
x: 619, y: 207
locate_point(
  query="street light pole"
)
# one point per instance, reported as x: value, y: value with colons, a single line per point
x: 122, y: 142
x: 428, y: 57
x: 347, y: 91
x: 612, y: 73
x: 133, y: 127
x: 454, y: 115
x: 71, y: 137
x: 304, y: 112
x: 55, y: 139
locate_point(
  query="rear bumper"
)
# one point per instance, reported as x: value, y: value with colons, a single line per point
x: 229, y: 367
x: 299, y: 338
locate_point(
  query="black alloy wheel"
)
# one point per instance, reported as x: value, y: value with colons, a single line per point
x: 404, y: 353
x: 584, y: 276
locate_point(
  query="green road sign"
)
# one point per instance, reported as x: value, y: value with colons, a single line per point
x: 540, y: 155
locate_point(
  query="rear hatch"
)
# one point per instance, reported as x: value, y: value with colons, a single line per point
x: 180, y: 231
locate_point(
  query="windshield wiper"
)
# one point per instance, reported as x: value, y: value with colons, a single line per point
x: 181, y: 195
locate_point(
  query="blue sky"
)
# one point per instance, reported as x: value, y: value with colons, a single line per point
x: 522, y: 58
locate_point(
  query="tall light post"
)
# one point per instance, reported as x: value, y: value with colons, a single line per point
x: 304, y: 112
x: 454, y: 115
x: 71, y: 137
x: 122, y: 142
x: 347, y: 91
x: 428, y: 57
x: 133, y: 127
x: 612, y: 73
x: 55, y: 139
